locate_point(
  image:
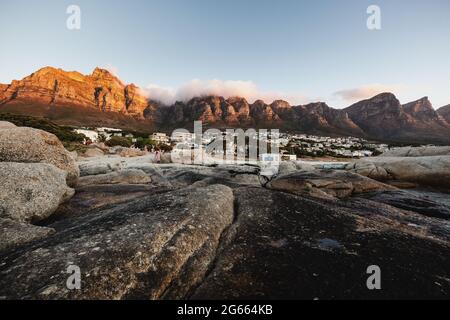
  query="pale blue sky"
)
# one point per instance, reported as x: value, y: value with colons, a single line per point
x: 289, y: 48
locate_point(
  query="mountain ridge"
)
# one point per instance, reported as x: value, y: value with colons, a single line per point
x: 101, y: 98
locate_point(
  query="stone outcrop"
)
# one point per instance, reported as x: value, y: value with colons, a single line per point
x: 174, y: 175
x: 93, y: 152
x: 128, y: 176
x: 31, y: 192
x: 127, y: 152
x: 325, y: 184
x: 433, y: 171
x: 153, y: 247
x: 423, y: 151
x: 28, y: 145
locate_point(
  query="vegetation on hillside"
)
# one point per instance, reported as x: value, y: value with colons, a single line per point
x: 119, y: 141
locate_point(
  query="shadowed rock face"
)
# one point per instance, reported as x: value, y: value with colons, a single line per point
x: 408, y: 200
x: 383, y: 117
x: 291, y: 247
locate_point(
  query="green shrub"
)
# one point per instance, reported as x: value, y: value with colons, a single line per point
x: 119, y: 141
x: 141, y: 143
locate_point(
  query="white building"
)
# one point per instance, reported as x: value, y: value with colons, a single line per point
x: 159, y: 137
x: 289, y: 157
x: 90, y: 134
x: 105, y: 129
x: 178, y: 137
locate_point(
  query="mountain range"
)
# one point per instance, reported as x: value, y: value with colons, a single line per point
x: 102, y: 99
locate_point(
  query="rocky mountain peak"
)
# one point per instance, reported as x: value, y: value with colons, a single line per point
x: 381, y: 103
x: 423, y: 110
x: 47, y: 70
x: 421, y: 105
x: 444, y: 112
x: 316, y: 106
x: 280, y: 104
x: 101, y: 91
x: 384, y: 97
x: 259, y: 102
x: 100, y: 74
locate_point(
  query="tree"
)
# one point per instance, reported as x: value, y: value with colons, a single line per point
x: 141, y: 143
x: 102, y: 137
x: 119, y: 141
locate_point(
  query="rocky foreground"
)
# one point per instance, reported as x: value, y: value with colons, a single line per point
x: 139, y: 230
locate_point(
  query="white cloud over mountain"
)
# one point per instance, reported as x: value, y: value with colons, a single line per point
x: 367, y: 91
x: 226, y: 88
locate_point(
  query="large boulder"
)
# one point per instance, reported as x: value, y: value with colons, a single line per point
x: 30, y: 145
x: 93, y: 152
x: 417, y: 151
x: 284, y: 246
x: 286, y: 167
x: 303, y: 165
x: 126, y: 152
x: 326, y: 183
x: 102, y: 165
x: 6, y: 125
x: 91, y: 168
x: 127, y: 176
x: 180, y: 175
x: 370, y: 170
x: 434, y: 171
x: 30, y: 192
x: 151, y: 247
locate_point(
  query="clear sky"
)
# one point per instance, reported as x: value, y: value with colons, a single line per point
x: 300, y: 50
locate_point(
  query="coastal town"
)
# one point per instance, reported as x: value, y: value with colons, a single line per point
x: 290, y: 146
